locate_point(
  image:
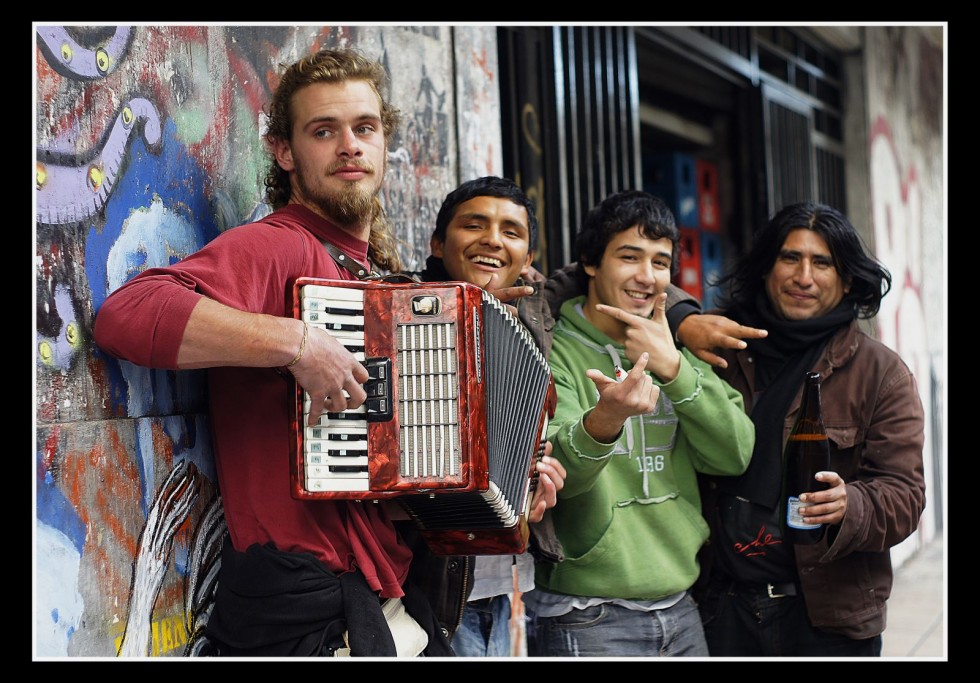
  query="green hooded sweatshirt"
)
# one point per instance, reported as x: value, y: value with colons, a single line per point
x: 629, y: 514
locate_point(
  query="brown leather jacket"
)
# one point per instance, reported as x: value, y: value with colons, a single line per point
x: 874, y: 417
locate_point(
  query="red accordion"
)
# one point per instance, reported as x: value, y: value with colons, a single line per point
x: 458, y: 403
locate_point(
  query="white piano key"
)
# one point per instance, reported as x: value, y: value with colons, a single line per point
x: 329, y: 320
x: 332, y: 293
x: 345, y: 432
x: 338, y: 484
x: 359, y: 410
x: 324, y: 469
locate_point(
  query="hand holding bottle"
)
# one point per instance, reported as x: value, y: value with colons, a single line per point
x: 827, y: 506
x: 806, y: 455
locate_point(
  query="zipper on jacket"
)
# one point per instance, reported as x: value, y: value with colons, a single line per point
x: 462, y: 595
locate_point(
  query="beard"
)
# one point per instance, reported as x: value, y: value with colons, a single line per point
x: 351, y: 205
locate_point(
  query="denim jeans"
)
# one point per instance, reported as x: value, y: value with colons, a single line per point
x: 747, y: 623
x: 485, y: 629
x: 608, y: 630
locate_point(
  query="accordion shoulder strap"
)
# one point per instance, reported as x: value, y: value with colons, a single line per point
x: 362, y: 272
x: 357, y: 269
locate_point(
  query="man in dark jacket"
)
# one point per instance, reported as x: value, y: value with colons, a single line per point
x: 807, y: 280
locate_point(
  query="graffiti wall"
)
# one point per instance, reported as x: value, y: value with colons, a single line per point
x: 147, y: 146
x: 907, y: 164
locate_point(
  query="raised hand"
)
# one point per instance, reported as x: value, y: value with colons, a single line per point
x: 702, y: 334
x: 636, y: 394
x: 506, y: 294
x: 649, y: 335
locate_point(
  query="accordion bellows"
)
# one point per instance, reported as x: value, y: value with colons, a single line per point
x: 457, y: 408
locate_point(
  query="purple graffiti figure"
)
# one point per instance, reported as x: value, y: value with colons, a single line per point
x: 58, y: 352
x: 68, y: 57
x: 70, y: 193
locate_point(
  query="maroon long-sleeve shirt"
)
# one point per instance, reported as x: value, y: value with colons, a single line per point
x: 248, y: 268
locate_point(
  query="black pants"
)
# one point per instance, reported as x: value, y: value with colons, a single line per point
x: 743, y: 621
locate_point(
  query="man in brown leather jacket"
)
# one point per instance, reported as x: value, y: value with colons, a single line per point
x: 808, y: 280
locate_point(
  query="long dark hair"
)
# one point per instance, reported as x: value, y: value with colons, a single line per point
x: 869, y: 281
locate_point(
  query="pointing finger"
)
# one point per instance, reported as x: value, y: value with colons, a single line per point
x: 613, y: 312
x: 508, y: 294
x: 599, y: 378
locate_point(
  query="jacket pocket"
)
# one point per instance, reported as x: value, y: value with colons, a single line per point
x: 846, y: 436
x: 846, y: 444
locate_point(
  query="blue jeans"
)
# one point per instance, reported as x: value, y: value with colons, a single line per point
x: 609, y: 630
x: 485, y: 629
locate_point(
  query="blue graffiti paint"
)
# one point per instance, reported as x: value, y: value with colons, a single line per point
x: 53, y: 509
x: 159, y: 212
x: 175, y: 179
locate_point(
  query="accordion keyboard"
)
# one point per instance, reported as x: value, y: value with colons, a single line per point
x: 336, y: 448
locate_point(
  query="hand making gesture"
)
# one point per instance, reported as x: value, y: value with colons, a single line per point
x: 636, y: 394
x: 507, y: 294
x: 650, y: 335
x: 703, y: 334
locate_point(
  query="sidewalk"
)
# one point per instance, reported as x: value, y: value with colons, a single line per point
x: 917, y: 607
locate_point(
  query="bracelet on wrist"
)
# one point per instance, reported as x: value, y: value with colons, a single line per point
x: 302, y: 346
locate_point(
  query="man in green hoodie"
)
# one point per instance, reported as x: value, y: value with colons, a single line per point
x: 636, y: 420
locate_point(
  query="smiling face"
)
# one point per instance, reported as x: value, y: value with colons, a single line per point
x: 486, y: 235
x: 337, y: 155
x: 803, y: 282
x: 634, y: 269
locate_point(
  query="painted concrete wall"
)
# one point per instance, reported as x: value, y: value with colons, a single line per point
x: 904, y: 71
x: 148, y: 145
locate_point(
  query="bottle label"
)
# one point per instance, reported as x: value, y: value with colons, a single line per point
x: 793, y: 517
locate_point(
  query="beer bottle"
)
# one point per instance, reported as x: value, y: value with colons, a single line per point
x: 807, y: 452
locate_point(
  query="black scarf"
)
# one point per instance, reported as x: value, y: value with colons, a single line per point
x: 435, y: 271
x: 782, y: 359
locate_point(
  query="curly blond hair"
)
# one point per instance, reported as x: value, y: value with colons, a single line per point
x: 332, y: 66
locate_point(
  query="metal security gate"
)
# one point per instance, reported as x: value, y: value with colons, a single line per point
x: 570, y: 123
